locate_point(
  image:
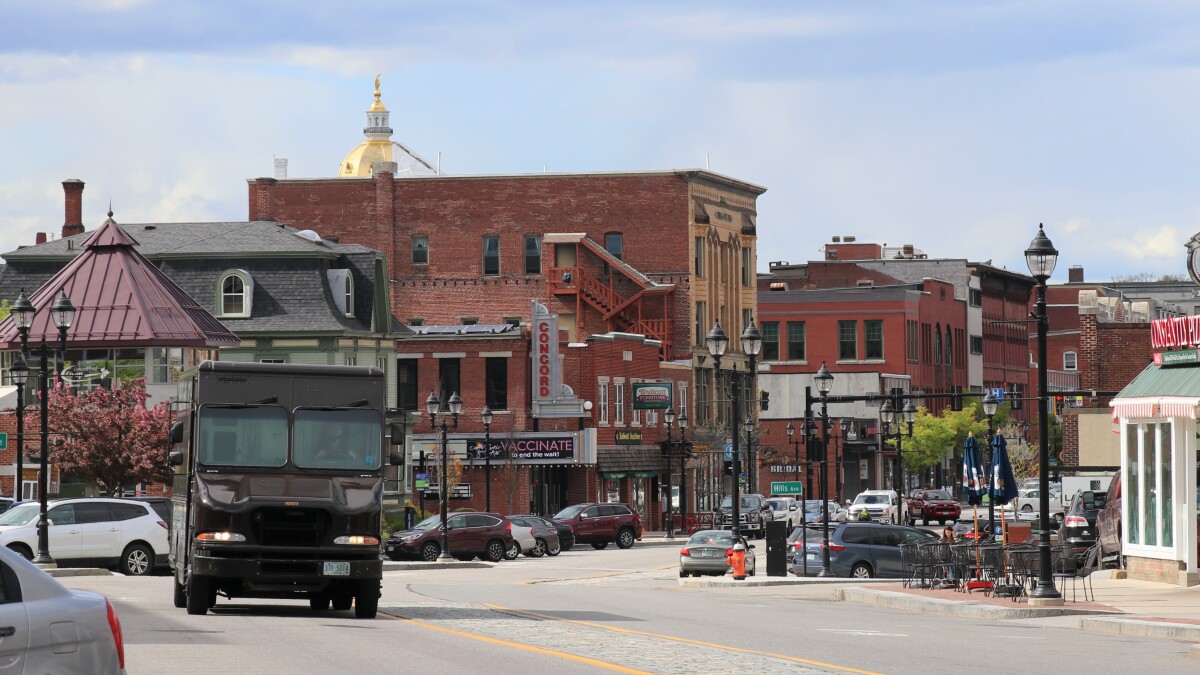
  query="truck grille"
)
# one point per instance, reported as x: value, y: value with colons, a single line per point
x: 290, y: 526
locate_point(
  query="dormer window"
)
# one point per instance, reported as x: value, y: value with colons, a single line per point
x: 235, y: 291
x: 341, y: 285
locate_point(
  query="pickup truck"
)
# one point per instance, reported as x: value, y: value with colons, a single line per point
x: 931, y: 505
x: 755, y: 512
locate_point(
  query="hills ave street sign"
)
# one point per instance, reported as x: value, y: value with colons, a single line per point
x: 3, y: 441
x: 790, y: 487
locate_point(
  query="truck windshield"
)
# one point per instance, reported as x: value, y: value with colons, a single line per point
x: 344, y: 438
x: 243, y: 436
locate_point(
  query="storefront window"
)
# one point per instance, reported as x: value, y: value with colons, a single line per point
x: 640, y: 491
x: 1165, y: 457
x: 1149, y: 493
x: 612, y: 490
x: 1133, y: 467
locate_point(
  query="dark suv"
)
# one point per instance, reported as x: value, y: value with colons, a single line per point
x: 755, y: 513
x: 1108, y: 524
x: 487, y: 535
x: 599, y: 524
x: 861, y: 550
x: 1078, y: 527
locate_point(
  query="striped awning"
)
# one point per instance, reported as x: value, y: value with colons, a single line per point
x: 1154, y: 406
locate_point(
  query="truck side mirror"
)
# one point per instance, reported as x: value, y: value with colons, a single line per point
x: 175, y: 458
x: 176, y: 432
x: 396, y: 458
x: 396, y: 430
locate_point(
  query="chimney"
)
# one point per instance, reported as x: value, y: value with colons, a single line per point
x: 849, y: 239
x: 40, y: 239
x: 73, y: 192
x: 1075, y: 274
x: 837, y: 239
x: 280, y: 168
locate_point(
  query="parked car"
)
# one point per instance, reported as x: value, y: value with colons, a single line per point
x: 566, y: 535
x: 6, y: 503
x: 91, y: 532
x: 599, y: 524
x: 48, y: 628
x: 753, y: 516
x: 705, y: 554
x: 161, y: 506
x: 1078, y: 528
x: 786, y: 509
x: 812, y: 512
x: 930, y: 505
x: 1028, y: 502
x: 545, y: 537
x: 487, y: 535
x: 861, y: 550
x: 1108, y: 524
x: 881, y: 504
x: 523, y: 542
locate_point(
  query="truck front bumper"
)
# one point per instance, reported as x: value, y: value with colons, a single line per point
x: 286, y: 572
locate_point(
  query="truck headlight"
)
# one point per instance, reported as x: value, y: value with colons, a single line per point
x: 357, y: 540
x: 220, y: 536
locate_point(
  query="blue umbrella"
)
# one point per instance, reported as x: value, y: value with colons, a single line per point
x: 1004, y: 485
x: 974, y: 482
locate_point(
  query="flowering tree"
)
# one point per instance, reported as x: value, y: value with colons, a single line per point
x: 111, y: 437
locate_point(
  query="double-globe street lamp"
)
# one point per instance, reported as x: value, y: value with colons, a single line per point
x: 824, y: 381
x: 669, y: 449
x: 62, y: 312
x: 1041, y: 257
x: 892, y: 425
x: 989, y: 410
x: 454, y: 407
x: 718, y: 342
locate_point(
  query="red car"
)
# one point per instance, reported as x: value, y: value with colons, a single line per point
x: 599, y: 524
x: 931, y: 505
x: 487, y: 535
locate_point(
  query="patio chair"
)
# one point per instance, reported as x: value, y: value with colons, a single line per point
x: 1070, y: 567
x: 908, y: 563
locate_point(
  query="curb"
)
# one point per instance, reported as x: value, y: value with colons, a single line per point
x: 729, y: 582
x: 399, y: 565
x: 78, y: 572
x: 1148, y: 629
x: 955, y: 608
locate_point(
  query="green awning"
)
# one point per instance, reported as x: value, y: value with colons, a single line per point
x: 613, y: 475
x: 1160, y: 392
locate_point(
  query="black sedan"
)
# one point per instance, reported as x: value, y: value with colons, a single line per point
x: 566, y: 534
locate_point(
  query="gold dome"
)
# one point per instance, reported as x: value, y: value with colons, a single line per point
x: 379, y: 147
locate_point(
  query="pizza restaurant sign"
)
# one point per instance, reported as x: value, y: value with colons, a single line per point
x: 1175, y: 333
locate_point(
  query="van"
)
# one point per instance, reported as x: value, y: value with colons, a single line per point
x: 1108, y: 525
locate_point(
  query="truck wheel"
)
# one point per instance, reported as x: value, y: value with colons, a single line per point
x: 366, y: 600
x: 180, y: 594
x: 199, y: 598
x: 625, y: 538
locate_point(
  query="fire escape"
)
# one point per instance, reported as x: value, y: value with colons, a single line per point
x: 622, y: 298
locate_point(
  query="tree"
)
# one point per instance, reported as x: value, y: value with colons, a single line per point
x: 111, y: 437
x: 5, y: 310
x: 935, y: 436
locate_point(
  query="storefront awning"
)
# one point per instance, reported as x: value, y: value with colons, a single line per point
x: 1159, y: 392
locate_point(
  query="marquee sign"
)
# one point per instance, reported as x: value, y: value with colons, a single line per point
x: 555, y: 447
x: 652, y: 395
x: 546, y: 374
x: 1175, y: 332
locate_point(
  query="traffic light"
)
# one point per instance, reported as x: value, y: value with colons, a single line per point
x: 1013, y: 395
x: 1058, y: 405
x: 728, y: 468
x: 765, y: 399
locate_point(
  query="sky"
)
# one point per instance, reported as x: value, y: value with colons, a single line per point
x: 956, y: 127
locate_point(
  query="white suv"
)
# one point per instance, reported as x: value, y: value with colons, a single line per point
x: 881, y: 504
x: 119, y: 533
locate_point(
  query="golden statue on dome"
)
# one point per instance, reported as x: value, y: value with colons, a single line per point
x: 377, y: 86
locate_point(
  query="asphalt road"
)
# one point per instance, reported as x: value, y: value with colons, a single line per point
x: 599, y: 611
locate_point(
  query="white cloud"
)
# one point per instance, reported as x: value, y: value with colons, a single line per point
x: 1161, y: 242
x: 1074, y: 223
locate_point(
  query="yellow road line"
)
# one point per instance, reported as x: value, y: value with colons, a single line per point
x: 617, y: 629
x: 524, y: 647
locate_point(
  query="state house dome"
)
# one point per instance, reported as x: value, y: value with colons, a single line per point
x: 378, y: 146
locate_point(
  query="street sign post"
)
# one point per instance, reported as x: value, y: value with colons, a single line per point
x: 790, y: 487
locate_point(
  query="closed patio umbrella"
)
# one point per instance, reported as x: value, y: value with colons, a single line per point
x: 974, y: 481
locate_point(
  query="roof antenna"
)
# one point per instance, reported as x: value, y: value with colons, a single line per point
x: 707, y: 164
x: 110, y: 206
x: 439, y: 169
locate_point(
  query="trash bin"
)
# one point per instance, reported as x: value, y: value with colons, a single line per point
x: 777, y: 532
x: 410, y: 517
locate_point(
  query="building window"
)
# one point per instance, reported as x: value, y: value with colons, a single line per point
x: 491, y: 256
x: 976, y: 344
x: 949, y: 348
x: 910, y: 334
x: 681, y: 403
x: 699, y: 261
x: 795, y: 341
x: 975, y: 297
x: 468, y: 320
x: 603, y: 394
x: 770, y: 341
x: 420, y: 250
x: 272, y: 361
x: 747, y: 268
x: 496, y: 381
x: 514, y: 321
x: 613, y: 244
x: 701, y: 324
x: 619, y: 402
x: 533, y: 254
x: 449, y: 372
x: 703, y: 407
x: 351, y: 360
x: 416, y: 321
x: 937, y: 345
x: 873, y: 332
x: 1070, y: 361
x: 407, y: 393
x: 847, y: 340
x: 341, y: 284
x: 236, y: 292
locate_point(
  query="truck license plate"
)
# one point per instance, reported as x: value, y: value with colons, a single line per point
x: 336, y: 569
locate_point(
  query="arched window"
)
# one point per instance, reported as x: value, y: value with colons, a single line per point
x: 235, y: 290
x: 341, y: 286
x: 937, y: 345
x: 949, y: 348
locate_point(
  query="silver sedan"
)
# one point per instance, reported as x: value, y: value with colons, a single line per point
x: 705, y: 551
x: 47, y: 628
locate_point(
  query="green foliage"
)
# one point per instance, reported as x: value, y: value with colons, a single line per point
x: 4, y: 309
x: 936, y: 436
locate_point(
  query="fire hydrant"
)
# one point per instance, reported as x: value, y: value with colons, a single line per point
x: 737, y: 560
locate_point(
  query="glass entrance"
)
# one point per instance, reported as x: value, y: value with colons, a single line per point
x: 548, y: 489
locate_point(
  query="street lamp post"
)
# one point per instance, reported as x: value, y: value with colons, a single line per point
x: 433, y: 407
x: 839, y: 477
x: 63, y: 313
x: 486, y: 416
x: 791, y: 431
x: 683, y: 471
x: 893, y: 426
x: 824, y: 380
x: 668, y: 450
x: 1041, y: 257
x: 989, y: 409
x: 717, y: 342
x: 22, y: 313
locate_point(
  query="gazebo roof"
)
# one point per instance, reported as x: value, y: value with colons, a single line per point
x: 121, y: 300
